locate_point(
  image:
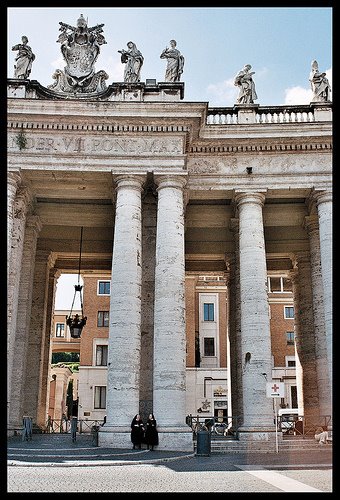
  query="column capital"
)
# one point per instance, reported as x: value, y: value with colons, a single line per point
x: 23, y: 202
x: 321, y: 196
x: 34, y: 222
x: 255, y: 197
x: 229, y: 259
x: 14, y: 178
x: 301, y: 258
x: 172, y: 181
x: 129, y: 181
x: 55, y: 273
x: 293, y: 275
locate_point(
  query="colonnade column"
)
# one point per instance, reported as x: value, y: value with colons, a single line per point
x: 46, y: 351
x: 13, y: 183
x: 122, y: 395
x: 294, y: 277
x: 255, y: 321
x: 304, y: 333
x: 324, y: 206
x: 21, y: 208
x: 169, y: 374
x: 233, y: 263
x: 20, y: 342
x: 324, y: 387
x: 39, y: 338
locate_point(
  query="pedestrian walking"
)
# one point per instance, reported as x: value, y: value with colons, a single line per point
x: 151, y: 433
x: 137, y: 431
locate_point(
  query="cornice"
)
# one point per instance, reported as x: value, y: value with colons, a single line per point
x: 258, y: 147
x: 97, y: 127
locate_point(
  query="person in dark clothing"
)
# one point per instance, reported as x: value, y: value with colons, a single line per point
x: 137, y: 431
x: 151, y: 433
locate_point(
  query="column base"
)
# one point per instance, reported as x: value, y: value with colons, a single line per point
x: 175, y: 439
x: 114, y: 437
x: 170, y: 438
x: 261, y: 439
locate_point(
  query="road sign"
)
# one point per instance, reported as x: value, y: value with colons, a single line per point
x: 275, y: 390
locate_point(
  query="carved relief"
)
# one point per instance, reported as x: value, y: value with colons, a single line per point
x: 237, y: 164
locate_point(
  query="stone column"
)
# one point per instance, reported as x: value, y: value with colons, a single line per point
x: 22, y: 206
x: 35, y: 401
x: 234, y: 322
x: 324, y: 386
x: 46, y: 353
x: 294, y: 277
x: 324, y: 206
x: 18, y: 385
x: 169, y: 377
x: 13, y: 183
x: 305, y: 340
x: 122, y: 396
x: 149, y: 223
x: 255, y: 321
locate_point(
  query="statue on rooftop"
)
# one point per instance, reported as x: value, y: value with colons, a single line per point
x: 244, y: 80
x: 80, y: 47
x: 133, y: 61
x: 175, y: 62
x: 319, y: 84
x: 24, y: 59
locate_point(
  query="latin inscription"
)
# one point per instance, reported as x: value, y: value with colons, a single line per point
x: 101, y: 145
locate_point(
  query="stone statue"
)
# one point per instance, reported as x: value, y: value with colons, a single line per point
x: 175, y: 63
x: 80, y: 47
x: 24, y: 59
x: 319, y: 84
x: 244, y: 80
x: 133, y: 61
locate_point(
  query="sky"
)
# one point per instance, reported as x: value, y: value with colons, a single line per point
x: 279, y: 42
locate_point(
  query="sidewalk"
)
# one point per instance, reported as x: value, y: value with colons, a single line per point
x: 59, y: 450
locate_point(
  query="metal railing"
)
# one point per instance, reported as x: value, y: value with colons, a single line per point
x: 300, y: 426
x: 291, y: 426
x: 219, y: 428
x: 63, y: 426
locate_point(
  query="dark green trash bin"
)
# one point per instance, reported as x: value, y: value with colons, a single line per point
x: 203, y: 443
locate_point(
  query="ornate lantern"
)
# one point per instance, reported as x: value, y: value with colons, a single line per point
x: 74, y: 322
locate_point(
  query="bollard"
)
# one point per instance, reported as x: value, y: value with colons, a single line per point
x: 74, y: 424
x: 95, y: 429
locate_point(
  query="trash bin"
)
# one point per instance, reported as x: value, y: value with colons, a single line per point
x: 203, y: 443
x: 94, y: 430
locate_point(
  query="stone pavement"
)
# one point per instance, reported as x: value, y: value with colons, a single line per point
x: 59, y: 450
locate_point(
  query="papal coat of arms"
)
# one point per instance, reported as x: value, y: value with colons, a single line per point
x: 80, y: 47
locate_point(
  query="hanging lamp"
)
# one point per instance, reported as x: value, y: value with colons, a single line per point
x: 74, y: 322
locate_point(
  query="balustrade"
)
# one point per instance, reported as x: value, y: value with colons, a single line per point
x: 263, y: 115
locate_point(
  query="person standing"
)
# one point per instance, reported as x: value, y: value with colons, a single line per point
x: 151, y: 433
x: 175, y: 62
x: 133, y: 60
x: 244, y: 80
x: 137, y: 431
x: 24, y: 59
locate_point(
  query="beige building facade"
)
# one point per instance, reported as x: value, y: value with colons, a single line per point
x: 169, y: 192
x: 208, y: 390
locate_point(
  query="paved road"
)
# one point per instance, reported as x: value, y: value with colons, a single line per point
x: 58, y: 465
